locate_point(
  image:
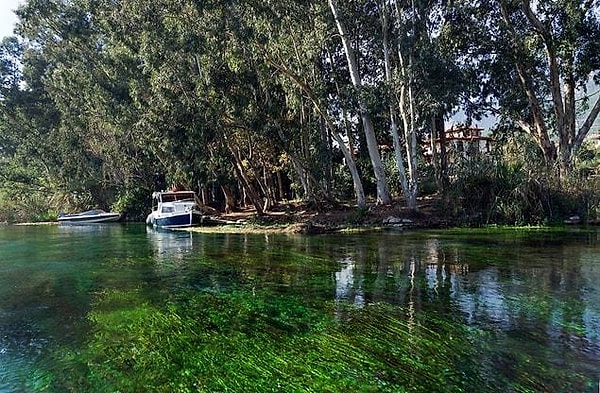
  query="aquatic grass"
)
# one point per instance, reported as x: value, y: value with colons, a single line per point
x: 270, y: 323
x: 244, y: 342
x: 515, y: 234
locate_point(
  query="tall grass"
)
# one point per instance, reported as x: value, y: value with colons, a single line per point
x: 504, y: 189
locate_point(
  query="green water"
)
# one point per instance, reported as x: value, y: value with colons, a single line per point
x: 122, y: 308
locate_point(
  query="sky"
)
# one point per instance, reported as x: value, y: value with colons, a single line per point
x: 7, y: 16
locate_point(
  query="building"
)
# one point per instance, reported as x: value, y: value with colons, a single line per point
x: 460, y: 140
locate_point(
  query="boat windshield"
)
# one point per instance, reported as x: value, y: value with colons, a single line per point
x: 176, y: 196
x: 92, y: 212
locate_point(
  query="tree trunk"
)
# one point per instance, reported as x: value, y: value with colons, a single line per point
x: 393, y: 114
x: 247, y: 185
x: 350, y: 163
x: 439, y: 131
x: 538, y: 129
x: 229, y: 199
x: 567, y: 131
x: 327, y: 165
x: 410, y: 136
x: 280, y: 190
x: 587, y: 124
x: 570, y: 138
x: 408, y: 117
x: 383, y: 195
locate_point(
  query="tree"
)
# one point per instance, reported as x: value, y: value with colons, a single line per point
x: 531, y: 59
x: 367, y: 123
x: 306, y: 127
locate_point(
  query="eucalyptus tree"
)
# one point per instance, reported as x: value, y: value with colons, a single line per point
x: 254, y: 125
x: 142, y: 90
x: 10, y: 78
x: 426, y: 82
x: 217, y: 90
x: 247, y: 116
x: 531, y: 59
x: 96, y: 153
x: 190, y: 88
x: 405, y: 68
x: 402, y: 91
x: 341, y: 20
x: 28, y: 119
x: 285, y: 45
x: 295, y: 53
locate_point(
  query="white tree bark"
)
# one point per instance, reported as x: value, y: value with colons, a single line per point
x: 398, y: 155
x: 383, y: 195
x: 350, y: 163
x: 562, y: 88
x: 408, y: 116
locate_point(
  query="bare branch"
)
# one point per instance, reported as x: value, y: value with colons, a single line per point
x: 587, y: 124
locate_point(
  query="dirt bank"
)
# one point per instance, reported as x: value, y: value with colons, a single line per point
x: 302, y: 218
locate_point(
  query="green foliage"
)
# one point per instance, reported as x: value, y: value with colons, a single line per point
x: 20, y: 202
x: 97, y: 97
x: 486, y: 192
x: 389, y: 163
x: 428, y: 184
x: 525, y: 63
x: 8, y: 209
x: 133, y: 203
x: 343, y: 183
x: 510, y: 188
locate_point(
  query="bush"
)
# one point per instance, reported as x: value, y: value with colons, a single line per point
x: 19, y: 203
x: 135, y: 204
x: 489, y: 190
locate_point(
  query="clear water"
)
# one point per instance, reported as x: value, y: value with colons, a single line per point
x: 126, y: 308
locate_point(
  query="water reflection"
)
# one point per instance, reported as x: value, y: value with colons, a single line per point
x: 544, y: 294
x: 346, y: 288
x: 169, y: 245
x: 89, y: 227
x: 536, y: 297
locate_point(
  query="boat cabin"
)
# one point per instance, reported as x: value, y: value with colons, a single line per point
x: 174, y: 196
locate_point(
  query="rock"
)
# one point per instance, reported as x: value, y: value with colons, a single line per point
x: 391, y: 220
x: 397, y: 221
x: 573, y: 220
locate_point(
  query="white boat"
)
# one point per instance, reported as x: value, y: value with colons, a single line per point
x: 175, y: 209
x: 89, y: 217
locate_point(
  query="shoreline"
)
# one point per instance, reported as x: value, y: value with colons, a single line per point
x: 297, y: 218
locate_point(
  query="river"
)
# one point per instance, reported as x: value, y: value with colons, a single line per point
x: 107, y: 308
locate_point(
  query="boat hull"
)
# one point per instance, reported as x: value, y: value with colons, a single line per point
x: 177, y: 220
x: 89, y: 218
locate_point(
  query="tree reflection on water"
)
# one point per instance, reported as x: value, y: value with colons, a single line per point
x: 133, y: 309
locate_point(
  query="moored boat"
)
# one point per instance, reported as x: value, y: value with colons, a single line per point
x: 175, y: 209
x: 89, y: 217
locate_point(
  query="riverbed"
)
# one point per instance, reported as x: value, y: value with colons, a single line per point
x: 103, y: 308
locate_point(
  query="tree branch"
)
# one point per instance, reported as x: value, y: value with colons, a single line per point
x: 532, y: 98
x: 534, y: 20
x: 587, y: 124
x: 358, y: 188
x: 557, y: 98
